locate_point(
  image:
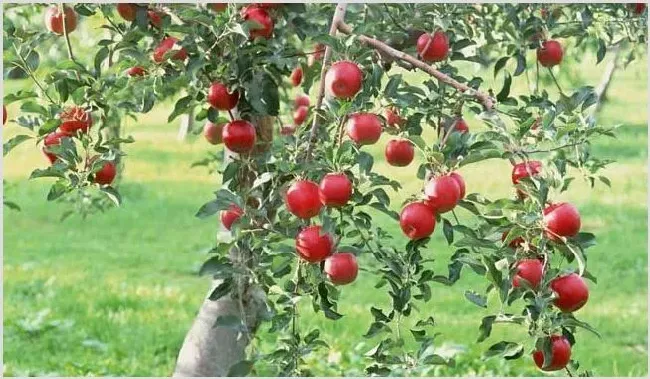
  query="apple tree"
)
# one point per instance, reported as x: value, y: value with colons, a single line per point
x: 299, y: 190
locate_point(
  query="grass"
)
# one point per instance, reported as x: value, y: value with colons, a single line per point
x: 115, y: 294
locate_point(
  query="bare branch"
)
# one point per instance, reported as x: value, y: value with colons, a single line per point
x: 485, y: 99
x: 337, y: 19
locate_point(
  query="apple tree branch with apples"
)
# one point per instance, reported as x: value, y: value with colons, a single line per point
x: 297, y: 201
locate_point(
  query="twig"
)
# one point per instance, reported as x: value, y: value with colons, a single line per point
x: 554, y: 148
x: 337, y: 19
x: 550, y: 71
x: 485, y: 99
x: 65, y: 33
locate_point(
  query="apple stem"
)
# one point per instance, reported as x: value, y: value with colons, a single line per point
x: 232, y: 117
x: 556, y: 82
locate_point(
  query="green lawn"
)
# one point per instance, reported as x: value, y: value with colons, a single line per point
x: 115, y: 294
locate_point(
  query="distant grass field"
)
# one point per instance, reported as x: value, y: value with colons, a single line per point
x: 116, y: 293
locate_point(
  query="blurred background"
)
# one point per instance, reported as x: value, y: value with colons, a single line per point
x: 115, y: 294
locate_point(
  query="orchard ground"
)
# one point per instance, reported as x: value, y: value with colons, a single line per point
x: 116, y: 293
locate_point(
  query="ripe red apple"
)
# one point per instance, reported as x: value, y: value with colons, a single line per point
x: 417, y: 220
x: 155, y: 18
x: 287, y: 130
x: 393, y: 118
x: 260, y: 16
x: 530, y: 270
x: 561, y: 219
x: 106, y: 174
x: 550, y: 53
x: 525, y: 170
x: 560, y: 354
x: 296, y: 76
x: 300, y: 115
x: 127, y: 11
x: 75, y: 119
x: 341, y: 268
x: 239, y: 136
x: 135, y: 71
x: 399, y: 152
x: 52, y: 139
x: 443, y: 193
x: 461, y: 183
x: 54, y: 19
x: 364, y: 128
x: 166, y: 45
x: 230, y: 215
x: 343, y: 79
x: 302, y: 199
x: 301, y: 101
x: 213, y: 132
x: 313, y: 244
x: 316, y: 55
x: 220, y: 98
x: 461, y: 126
x: 335, y: 190
x: 572, y: 292
x: 4, y: 114
x: 433, y: 49
x: 218, y: 7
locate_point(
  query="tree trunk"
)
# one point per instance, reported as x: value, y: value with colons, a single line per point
x: 210, y: 350
x: 608, y: 75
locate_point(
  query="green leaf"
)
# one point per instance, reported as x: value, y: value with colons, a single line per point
x: 241, y: 368
x: 500, y: 64
x: 602, y: 50
x: 505, y: 90
x: 100, y: 57
x: 485, y: 329
x: 508, y: 350
x: 57, y: 190
x: 33, y: 107
x: 476, y: 298
x: 222, y: 289
x: 112, y: 194
x: 376, y: 328
x: 182, y: 106
x: 521, y: 64
x: 448, y: 231
x: 12, y: 143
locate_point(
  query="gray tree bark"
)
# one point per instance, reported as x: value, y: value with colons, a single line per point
x: 608, y: 75
x: 210, y: 350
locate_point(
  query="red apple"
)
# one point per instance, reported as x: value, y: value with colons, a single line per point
x: 127, y: 11
x: 364, y: 128
x: 166, y: 45
x: 525, y: 170
x: 561, y: 219
x: 220, y: 98
x: 399, y: 152
x: 75, y: 119
x: 106, y: 174
x: 230, y: 216
x: 433, y: 48
x: 52, y: 139
x: 296, y: 76
x: 530, y: 270
x: 287, y: 130
x: 313, y: 244
x: 393, y: 118
x: 300, y: 115
x: 461, y: 126
x: 316, y: 55
x: 155, y: 18
x: 260, y: 16
x: 302, y: 199
x: 443, y: 193
x: 343, y: 79
x: 213, y: 132
x: 560, y: 354
x: 239, y: 136
x: 461, y: 183
x: 335, y: 190
x: 417, y: 220
x: 136, y: 71
x: 54, y: 19
x: 341, y: 268
x: 550, y: 53
x: 571, y: 291
x: 218, y: 7
x: 638, y: 8
x: 301, y: 101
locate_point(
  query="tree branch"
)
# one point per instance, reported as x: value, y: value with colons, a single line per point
x: 485, y: 99
x: 337, y: 19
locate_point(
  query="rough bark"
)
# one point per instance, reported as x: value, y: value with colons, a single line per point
x: 210, y: 350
